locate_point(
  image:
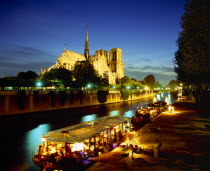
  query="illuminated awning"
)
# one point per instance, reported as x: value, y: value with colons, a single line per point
x: 83, y: 131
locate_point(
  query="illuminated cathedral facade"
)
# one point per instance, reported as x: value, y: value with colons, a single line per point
x: 108, y: 64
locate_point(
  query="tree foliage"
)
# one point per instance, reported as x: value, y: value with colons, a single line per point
x: 85, y: 73
x: 29, y: 76
x: 173, y: 84
x: 125, y: 94
x: 192, y: 59
x: 126, y: 80
x: 62, y: 76
x: 158, y: 85
x: 102, y: 96
x: 149, y: 81
x: 130, y: 82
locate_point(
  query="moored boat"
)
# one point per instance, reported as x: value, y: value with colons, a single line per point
x: 146, y: 115
x: 71, y: 146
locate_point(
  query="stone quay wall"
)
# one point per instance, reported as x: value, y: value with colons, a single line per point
x: 19, y: 102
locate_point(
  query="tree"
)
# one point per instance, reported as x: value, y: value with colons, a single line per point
x: 126, y: 82
x: 102, y: 83
x: 26, y: 79
x: 192, y: 59
x: 136, y: 85
x: 158, y: 85
x: 102, y: 96
x: 173, y: 84
x: 29, y: 76
x: 149, y: 81
x: 61, y: 77
x: 84, y: 73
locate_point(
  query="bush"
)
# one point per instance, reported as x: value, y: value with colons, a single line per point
x: 102, y: 96
x: 137, y: 92
x: 125, y: 94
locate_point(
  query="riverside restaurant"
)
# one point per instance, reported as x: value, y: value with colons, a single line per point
x: 80, y: 143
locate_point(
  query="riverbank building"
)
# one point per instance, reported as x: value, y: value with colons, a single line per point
x: 108, y: 64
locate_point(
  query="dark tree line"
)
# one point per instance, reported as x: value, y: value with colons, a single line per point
x: 192, y: 60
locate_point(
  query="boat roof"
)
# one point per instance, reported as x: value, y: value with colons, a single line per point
x: 85, y: 130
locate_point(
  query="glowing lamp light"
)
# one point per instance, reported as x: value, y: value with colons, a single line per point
x: 43, y: 139
x: 39, y: 84
x: 89, y: 86
x: 171, y: 109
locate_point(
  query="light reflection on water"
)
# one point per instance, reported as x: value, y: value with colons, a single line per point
x: 129, y: 114
x: 165, y: 97
x: 114, y: 113
x: 158, y: 97
x: 33, y: 139
x: 88, y: 118
x: 169, y: 99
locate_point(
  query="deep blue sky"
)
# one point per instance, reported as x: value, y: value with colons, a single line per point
x: 33, y: 33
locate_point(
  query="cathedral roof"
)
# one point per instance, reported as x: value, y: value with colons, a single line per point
x: 67, y: 54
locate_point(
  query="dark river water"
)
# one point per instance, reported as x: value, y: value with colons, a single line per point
x: 21, y: 134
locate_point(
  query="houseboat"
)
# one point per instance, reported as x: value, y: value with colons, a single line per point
x: 70, y: 146
x: 146, y: 115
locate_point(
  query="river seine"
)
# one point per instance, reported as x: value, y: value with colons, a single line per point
x: 22, y: 133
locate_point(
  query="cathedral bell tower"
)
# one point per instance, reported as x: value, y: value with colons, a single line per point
x: 116, y: 62
x: 86, y: 51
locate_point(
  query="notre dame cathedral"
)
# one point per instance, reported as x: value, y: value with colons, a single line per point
x: 107, y: 64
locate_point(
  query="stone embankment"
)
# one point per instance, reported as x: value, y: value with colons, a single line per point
x: 14, y: 102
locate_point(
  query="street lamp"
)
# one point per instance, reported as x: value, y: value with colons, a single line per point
x: 146, y: 88
x: 89, y: 85
x: 180, y: 91
x: 128, y: 87
x: 39, y: 84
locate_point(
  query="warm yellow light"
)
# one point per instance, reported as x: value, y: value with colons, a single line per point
x: 146, y: 88
x: 43, y: 139
x: 79, y: 146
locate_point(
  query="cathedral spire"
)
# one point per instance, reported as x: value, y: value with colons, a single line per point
x: 86, y: 33
x: 64, y: 46
x: 86, y: 51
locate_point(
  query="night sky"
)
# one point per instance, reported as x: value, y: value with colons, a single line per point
x: 33, y: 33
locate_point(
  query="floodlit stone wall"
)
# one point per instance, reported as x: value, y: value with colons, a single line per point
x: 14, y: 102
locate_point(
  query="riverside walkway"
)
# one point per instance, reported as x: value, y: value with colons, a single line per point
x: 184, y: 135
